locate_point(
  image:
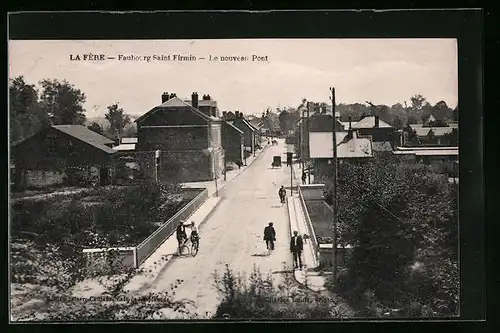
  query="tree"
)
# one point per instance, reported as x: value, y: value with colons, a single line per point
x: 417, y: 102
x: 63, y: 102
x: 404, y: 216
x: 117, y: 120
x: 26, y: 115
x: 96, y: 128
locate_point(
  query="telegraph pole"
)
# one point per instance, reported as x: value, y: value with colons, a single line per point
x: 334, y: 176
x: 308, y: 144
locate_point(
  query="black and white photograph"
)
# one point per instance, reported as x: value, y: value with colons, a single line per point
x: 195, y: 179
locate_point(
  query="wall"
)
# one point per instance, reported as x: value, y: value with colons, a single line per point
x: 41, y: 178
x: 231, y: 142
x: 172, y: 116
x: 325, y: 255
x: 185, y: 166
x: 312, y: 191
x: 247, y: 132
x: 149, y: 245
x: 173, y: 138
x: 102, y: 262
x: 380, y: 134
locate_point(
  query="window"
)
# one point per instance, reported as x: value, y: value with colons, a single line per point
x: 52, y: 144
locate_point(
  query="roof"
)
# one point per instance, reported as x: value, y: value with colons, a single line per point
x: 440, y: 131
x: 382, y: 146
x: 369, y: 122
x: 422, y: 131
x: 320, y: 145
x: 82, y: 133
x: 234, y: 127
x: 427, y: 151
x: 244, y: 121
x: 175, y: 102
x: 125, y: 146
x: 129, y: 140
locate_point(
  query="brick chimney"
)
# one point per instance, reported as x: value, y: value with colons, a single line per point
x: 224, y: 113
x: 172, y: 95
x: 377, y: 121
x: 194, y: 100
x: 241, y: 114
x: 164, y: 97
x: 237, y: 114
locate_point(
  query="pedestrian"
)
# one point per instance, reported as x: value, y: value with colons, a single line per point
x: 269, y: 236
x: 303, y: 177
x: 296, y: 247
x: 239, y: 163
x: 282, y: 194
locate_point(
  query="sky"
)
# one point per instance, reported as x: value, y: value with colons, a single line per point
x: 383, y: 71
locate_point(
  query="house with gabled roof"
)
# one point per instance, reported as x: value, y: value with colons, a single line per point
x: 64, y: 154
x: 249, y: 131
x: 187, y: 136
x: 351, y: 148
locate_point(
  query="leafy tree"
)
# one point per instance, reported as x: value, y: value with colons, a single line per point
x: 404, y: 216
x: 117, y: 120
x: 417, y: 102
x: 96, y: 128
x: 26, y: 114
x: 63, y: 102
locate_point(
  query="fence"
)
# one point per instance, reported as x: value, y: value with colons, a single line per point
x: 150, y: 244
x: 310, y: 228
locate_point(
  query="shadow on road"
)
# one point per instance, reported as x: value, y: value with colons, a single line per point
x: 283, y: 272
x: 265, y: 254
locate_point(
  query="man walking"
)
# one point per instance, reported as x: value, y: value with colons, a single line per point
x: 296, y: 246
x: 282, y: 194
x: 303, y: 177
x: 269, y: 236
x: 181, y: 235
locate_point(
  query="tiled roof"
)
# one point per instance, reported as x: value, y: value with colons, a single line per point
x: 320, y: 145
x: 82, y: 133
x: 175, y: 102
x: 369, y: 122
x: 230, y: 124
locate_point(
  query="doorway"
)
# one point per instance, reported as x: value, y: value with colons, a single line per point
x: 103, y: 176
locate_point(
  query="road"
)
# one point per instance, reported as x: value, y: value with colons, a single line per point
x: 233, y: 235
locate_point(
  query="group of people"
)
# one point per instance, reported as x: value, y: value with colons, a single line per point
x: 296, y: 244
x: 181, y: 235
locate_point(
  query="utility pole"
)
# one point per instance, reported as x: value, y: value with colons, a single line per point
x: 307, y: 130
x: 334, y: 176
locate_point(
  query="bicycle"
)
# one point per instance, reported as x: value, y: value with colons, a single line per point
x: 183, y: 247
x: 195, y: 246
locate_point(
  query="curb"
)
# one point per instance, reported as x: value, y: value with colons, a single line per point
x: 202, y: 222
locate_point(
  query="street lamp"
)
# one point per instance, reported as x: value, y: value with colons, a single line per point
x: 209, y: 152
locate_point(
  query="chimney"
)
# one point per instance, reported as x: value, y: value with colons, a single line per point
x: 241, y: 114
x: 172, y: 95
x: 164, y: 97
x: 224, y: 113
x: 237, y: 114
x: 377, y: 121
x: 349, y: 131
x: 194, y: 100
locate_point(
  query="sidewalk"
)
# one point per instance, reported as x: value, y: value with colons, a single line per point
x: 308, y: 276
x: 221, y: 183
x: 161, y: 258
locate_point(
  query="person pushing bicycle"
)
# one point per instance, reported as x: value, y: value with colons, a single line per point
x: 194, y: 236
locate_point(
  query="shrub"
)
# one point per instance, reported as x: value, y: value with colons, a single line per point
x: 260, y: 297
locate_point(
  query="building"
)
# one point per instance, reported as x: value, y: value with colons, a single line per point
x: 441, y: 159
x: 351, y: 148
x: 422, y: 135
x: 233, y: 142
x: 64, y: 154
x: 187, y: 138
x: 250, y: 133
x: 126, y: 144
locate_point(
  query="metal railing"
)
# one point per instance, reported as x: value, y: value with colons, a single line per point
x: 310, y: 227
x: 150, y: 244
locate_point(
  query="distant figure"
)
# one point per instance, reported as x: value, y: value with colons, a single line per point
x: 239, y: 163
x: 296, y: 247
x: 269, y: 236
x: 282, y: 194
x: 304, y: 177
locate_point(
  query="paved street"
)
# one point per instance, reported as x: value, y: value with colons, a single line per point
x: 233, y: 234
